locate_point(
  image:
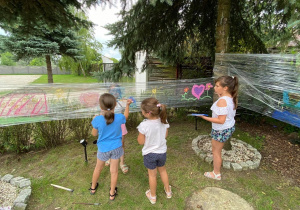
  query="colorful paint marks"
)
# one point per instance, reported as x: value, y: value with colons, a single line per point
x: 197, y: 91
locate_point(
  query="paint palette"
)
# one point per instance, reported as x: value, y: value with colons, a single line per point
x: 197, y: 115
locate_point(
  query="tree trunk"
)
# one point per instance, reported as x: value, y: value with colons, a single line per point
x: 222, y: 42
x: 223, y: 26
x: 49, y: 69
x: 82, y: 69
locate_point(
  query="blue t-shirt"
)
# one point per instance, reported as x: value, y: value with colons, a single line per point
x: 109, y: 136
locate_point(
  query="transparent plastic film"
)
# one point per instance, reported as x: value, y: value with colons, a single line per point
x: 269, y: 84
x: 36, y: 103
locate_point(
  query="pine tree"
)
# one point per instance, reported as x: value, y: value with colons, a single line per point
x: 180, y: 29
x: 59, y: 41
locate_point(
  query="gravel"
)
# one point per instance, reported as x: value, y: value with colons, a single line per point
x: 8, y: 193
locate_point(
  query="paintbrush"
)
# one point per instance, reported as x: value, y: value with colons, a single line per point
x: 64, y: 188
x: 95, y: 204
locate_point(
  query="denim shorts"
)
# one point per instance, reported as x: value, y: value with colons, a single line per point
x: 222, y: 135
x: 113, y: 154
x: 153, y: 160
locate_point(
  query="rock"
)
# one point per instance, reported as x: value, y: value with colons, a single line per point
x: 212, y: 198
x: 19, y: 206
x: 243, y: 156
x: 14, y: 181
x: 236, y: 167
x: 226, y: 164
x: 7, y: 178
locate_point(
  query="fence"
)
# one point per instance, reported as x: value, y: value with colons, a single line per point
x: 30, y: 70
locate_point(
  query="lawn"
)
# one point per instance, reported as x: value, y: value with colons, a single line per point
x: 74, y: 79
x: 64, y: 165
x: 66, y: 79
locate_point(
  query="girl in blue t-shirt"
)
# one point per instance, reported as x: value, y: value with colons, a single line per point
x: 108, y: 128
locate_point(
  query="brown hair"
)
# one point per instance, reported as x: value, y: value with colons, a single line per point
x: 152, y: 106
x: 232, y: 83
x: 107, y: 103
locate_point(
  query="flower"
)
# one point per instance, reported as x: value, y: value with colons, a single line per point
x: 154, y: 91
x: 186, y: 89
x: 208, y: 86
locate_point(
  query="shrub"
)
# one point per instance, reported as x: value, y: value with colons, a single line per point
x: 80, y: 128
x: 52, y: 133
x: 16, y: 138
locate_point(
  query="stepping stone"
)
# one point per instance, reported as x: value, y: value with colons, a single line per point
x: 211, y: 198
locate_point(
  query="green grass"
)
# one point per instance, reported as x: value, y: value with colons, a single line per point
x: 64, y: 165
x: 74, y: 79
x: 66, y: 79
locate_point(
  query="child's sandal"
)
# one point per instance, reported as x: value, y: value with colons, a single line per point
x: 151, y: 199
x: 107, y: 163
x: 114, y: 195
x: 214, y: 176
x: 169, y: 194
x: 124, y: 168
x: 93, y: 193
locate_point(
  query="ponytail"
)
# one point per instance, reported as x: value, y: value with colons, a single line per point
x: 153, y: 107
x: 107, y: 103
x: 163, y: 114
x: 109, y: 117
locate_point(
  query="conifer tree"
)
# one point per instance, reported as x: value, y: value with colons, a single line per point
x: 180, y: 29
x: 59, y: 41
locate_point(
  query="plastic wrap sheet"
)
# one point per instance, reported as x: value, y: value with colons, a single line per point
x: 36, y: 103
x: 269, y: 84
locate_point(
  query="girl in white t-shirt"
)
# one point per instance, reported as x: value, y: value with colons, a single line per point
x: 223, y: 112
x: 152, y: 134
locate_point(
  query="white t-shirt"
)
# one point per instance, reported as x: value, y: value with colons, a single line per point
x: 229, y: 111
x: 155, y: 136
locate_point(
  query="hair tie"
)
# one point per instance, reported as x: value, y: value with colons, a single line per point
x: 108, y: 109
x: 232, y: 77
x: 158, y: 105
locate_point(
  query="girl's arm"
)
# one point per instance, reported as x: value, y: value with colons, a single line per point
x: 221, y: 118
x: 167, y: 133
x: 95, y: 132
x: 126, y: 112
x: 141, y: 139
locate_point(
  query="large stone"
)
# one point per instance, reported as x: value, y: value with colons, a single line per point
x: 244, y: 165
x: 19, y: 206
x: 22, y: 198
x: 236, y: 167
x: 14, y: 181
x: 226, y: 164
x: 25, y: 183
x: 7, y: 178
x: 249, y: 163
x: 212, y: 198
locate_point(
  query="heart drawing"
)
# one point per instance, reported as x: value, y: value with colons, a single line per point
x: 197, y: 90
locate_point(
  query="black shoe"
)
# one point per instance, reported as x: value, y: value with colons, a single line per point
x: 114, y: 195
x: 93, y: 193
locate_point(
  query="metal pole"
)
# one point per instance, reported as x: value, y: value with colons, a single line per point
x: 85, y: 154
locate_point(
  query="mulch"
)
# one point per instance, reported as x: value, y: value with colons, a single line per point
x: 277, y: 152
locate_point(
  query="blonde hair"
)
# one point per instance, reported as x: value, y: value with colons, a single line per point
x: 153, y: 107
x: 107, y: 103
x: 232, y: 83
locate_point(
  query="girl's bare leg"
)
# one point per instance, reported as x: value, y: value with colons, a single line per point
x: 97, y: 172
x: 164, y: 177
x: 114, y: 163
x: 152, y: 181
x: 217, y: 157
